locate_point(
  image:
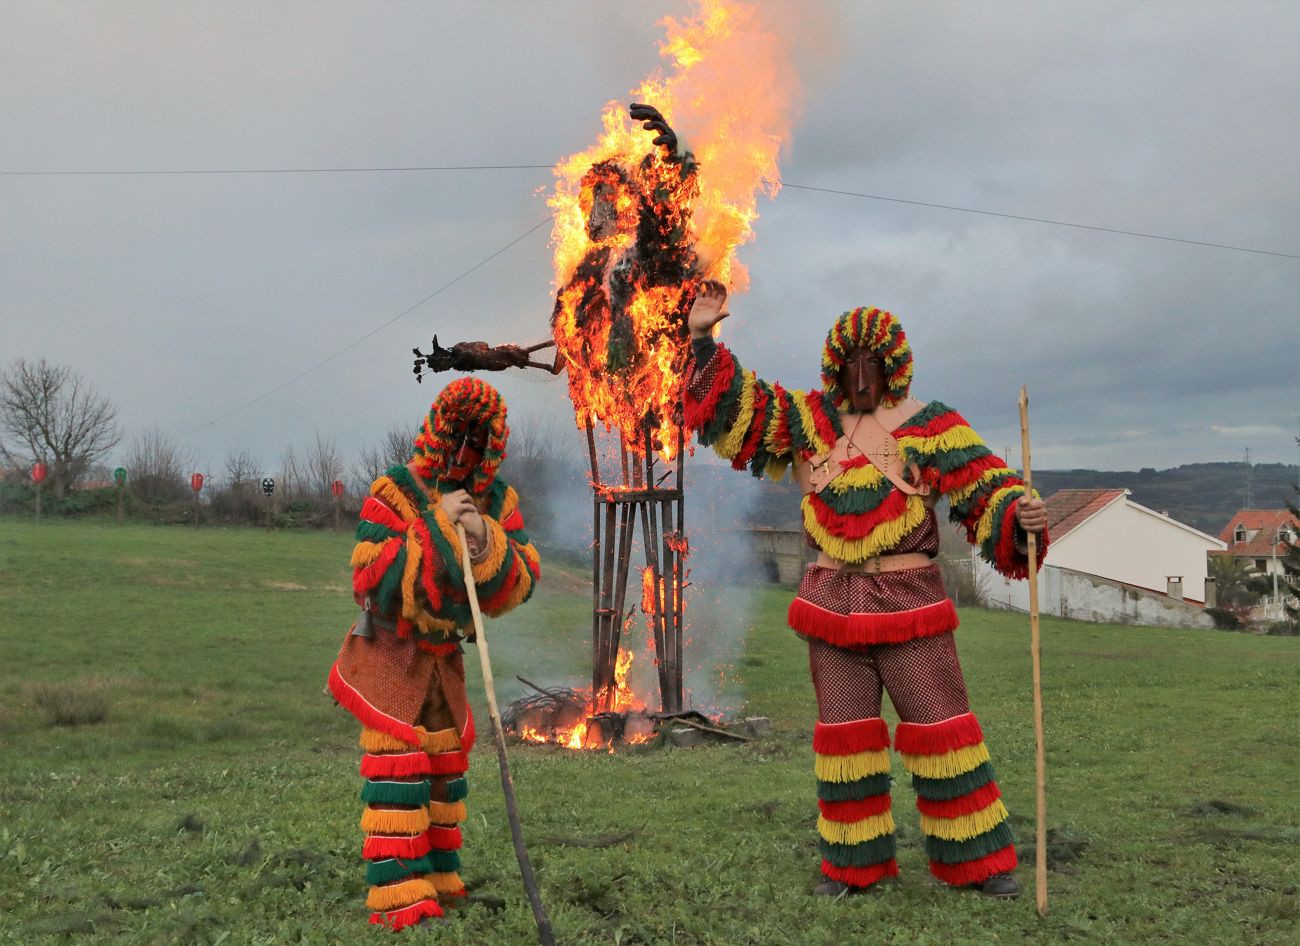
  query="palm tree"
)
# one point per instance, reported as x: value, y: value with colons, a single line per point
x: 1234, y: 583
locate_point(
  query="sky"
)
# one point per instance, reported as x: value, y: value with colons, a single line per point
x: 184, y: 297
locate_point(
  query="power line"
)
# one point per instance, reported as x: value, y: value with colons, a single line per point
x: 533, y: 167
x: 374, y: 170
x: 407, y: 311
x: 1057, y: 223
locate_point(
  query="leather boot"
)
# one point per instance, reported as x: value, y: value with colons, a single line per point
x: 1000, y: 887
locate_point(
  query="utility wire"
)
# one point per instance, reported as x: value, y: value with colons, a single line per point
x: 530, y: 167
x: 407, y: 311
x: 142, y: 173
x: 1057, y: 223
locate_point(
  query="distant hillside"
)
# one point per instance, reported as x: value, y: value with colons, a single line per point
x: 1203, y: 495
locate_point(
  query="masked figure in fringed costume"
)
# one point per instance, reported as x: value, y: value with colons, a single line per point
x: 400, y: 670
x: 872, y: 463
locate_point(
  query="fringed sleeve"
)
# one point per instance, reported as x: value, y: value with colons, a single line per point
x: 511, y: 567
x: 981, y: 489
x: 753, y: 423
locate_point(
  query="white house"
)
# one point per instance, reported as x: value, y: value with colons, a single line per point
x: 1111, y: 559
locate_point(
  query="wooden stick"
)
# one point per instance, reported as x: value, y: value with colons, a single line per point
x: 1040, y: 758
x: 710, y: 729
x: 543, y: 921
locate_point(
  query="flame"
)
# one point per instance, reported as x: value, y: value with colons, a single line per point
x: 635, y: 233
x: 581, y: 734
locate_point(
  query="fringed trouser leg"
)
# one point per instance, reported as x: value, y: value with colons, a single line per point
x: 963, y: 820
x: 856, y: 826
x: 414, y: 805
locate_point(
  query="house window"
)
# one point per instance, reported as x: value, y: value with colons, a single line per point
x: 1261, y: 564
x: 1284, y: 535
x: 1240, y: 534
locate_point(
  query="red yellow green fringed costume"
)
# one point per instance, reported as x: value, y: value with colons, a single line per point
x: 892, y: 630
x: 403, y: 677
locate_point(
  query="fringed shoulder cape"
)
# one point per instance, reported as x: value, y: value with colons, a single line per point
x: 765, y: 428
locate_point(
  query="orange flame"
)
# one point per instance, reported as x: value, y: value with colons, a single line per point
x: 620, y: 327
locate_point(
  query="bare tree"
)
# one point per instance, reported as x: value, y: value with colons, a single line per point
x: 239, y: 494
x: 323, y: 465
x: 158, y: 466
x: 52, y: 414
x: 392, y: 449
x: 289, y: 484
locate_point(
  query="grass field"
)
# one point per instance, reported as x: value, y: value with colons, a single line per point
x: 217, y: 800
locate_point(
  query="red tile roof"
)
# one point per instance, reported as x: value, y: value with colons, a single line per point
x: 1068, y: 509
x: 1264, y: 523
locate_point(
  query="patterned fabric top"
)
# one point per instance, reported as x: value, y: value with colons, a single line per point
x: 763, y: 426
x: 407, y: 560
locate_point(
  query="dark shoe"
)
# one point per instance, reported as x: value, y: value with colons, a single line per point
x: 837, y: 888
x: 1000, y: 887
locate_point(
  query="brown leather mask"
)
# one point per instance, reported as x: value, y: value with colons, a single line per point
x: 862, y: 379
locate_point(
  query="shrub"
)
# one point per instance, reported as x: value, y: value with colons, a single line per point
x: 69, y: 704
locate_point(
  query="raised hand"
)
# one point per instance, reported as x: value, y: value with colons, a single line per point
x: 1031, y: 515
x: 709, y: 308
x: 652, y: 120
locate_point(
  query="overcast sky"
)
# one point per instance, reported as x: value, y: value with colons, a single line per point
x: 183, y: 297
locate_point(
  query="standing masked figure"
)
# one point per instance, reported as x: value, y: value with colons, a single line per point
x: 400, y: 670
x: 872, y: 463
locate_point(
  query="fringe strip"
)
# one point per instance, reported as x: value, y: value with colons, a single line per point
x: 860, y: 876
x: 445, y: 839
x: 965, y: 827
x: 395, y: 765
x: 397, y: 793
x: 855, y: 790
x: 448, y: 884
x: 379, y: 847
x: 848, y: 768
x: 447, y: 763
x: 972, y: 849
x: 407, y: 916
x: 977, y: 800
x: 876, y: 851
x: 855, y: 832
x: 859, y: 735
x: 860, y: 629
x: 456, y: 789
x: 949, y: 789
x: 395, y: 868
x: 401, y: 894
x: 855, y: 809
x: 394, y: 820
x: 955, y: 762
x: 447, y: 812
x: 373, y: 740
x: 935, y: 738
x: 366, y: 713
x: 444, y: 740
x: 976, y: 872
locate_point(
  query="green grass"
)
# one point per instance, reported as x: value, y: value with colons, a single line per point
x: 217, y: 800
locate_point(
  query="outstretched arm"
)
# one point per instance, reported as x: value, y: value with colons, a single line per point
x: 751, y: 422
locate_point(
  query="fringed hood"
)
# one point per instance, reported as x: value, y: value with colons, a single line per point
x: 464, y: 404
x: 878, y: 331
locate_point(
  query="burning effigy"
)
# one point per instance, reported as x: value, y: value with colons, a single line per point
x: 658, y: 205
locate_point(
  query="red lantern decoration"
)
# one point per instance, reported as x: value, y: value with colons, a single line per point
x: 39, y: 470
x: 337, y: 488
x: 196, y: 482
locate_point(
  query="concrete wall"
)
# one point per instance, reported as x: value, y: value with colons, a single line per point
x: 1137, y: 546
x: 1066, y: 593
x: 782, y: 552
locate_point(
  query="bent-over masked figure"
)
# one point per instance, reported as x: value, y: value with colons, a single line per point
x: 872, y: 463
x: 400, y: 670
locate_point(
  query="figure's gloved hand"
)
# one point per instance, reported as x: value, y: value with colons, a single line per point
x: 708, y: 309
x: 652, y: 120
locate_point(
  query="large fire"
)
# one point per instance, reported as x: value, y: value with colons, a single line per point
x: 637, y: 229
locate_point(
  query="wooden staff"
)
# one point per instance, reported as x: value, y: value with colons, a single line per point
x: 543, y: 921
x: 1040, y: 759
